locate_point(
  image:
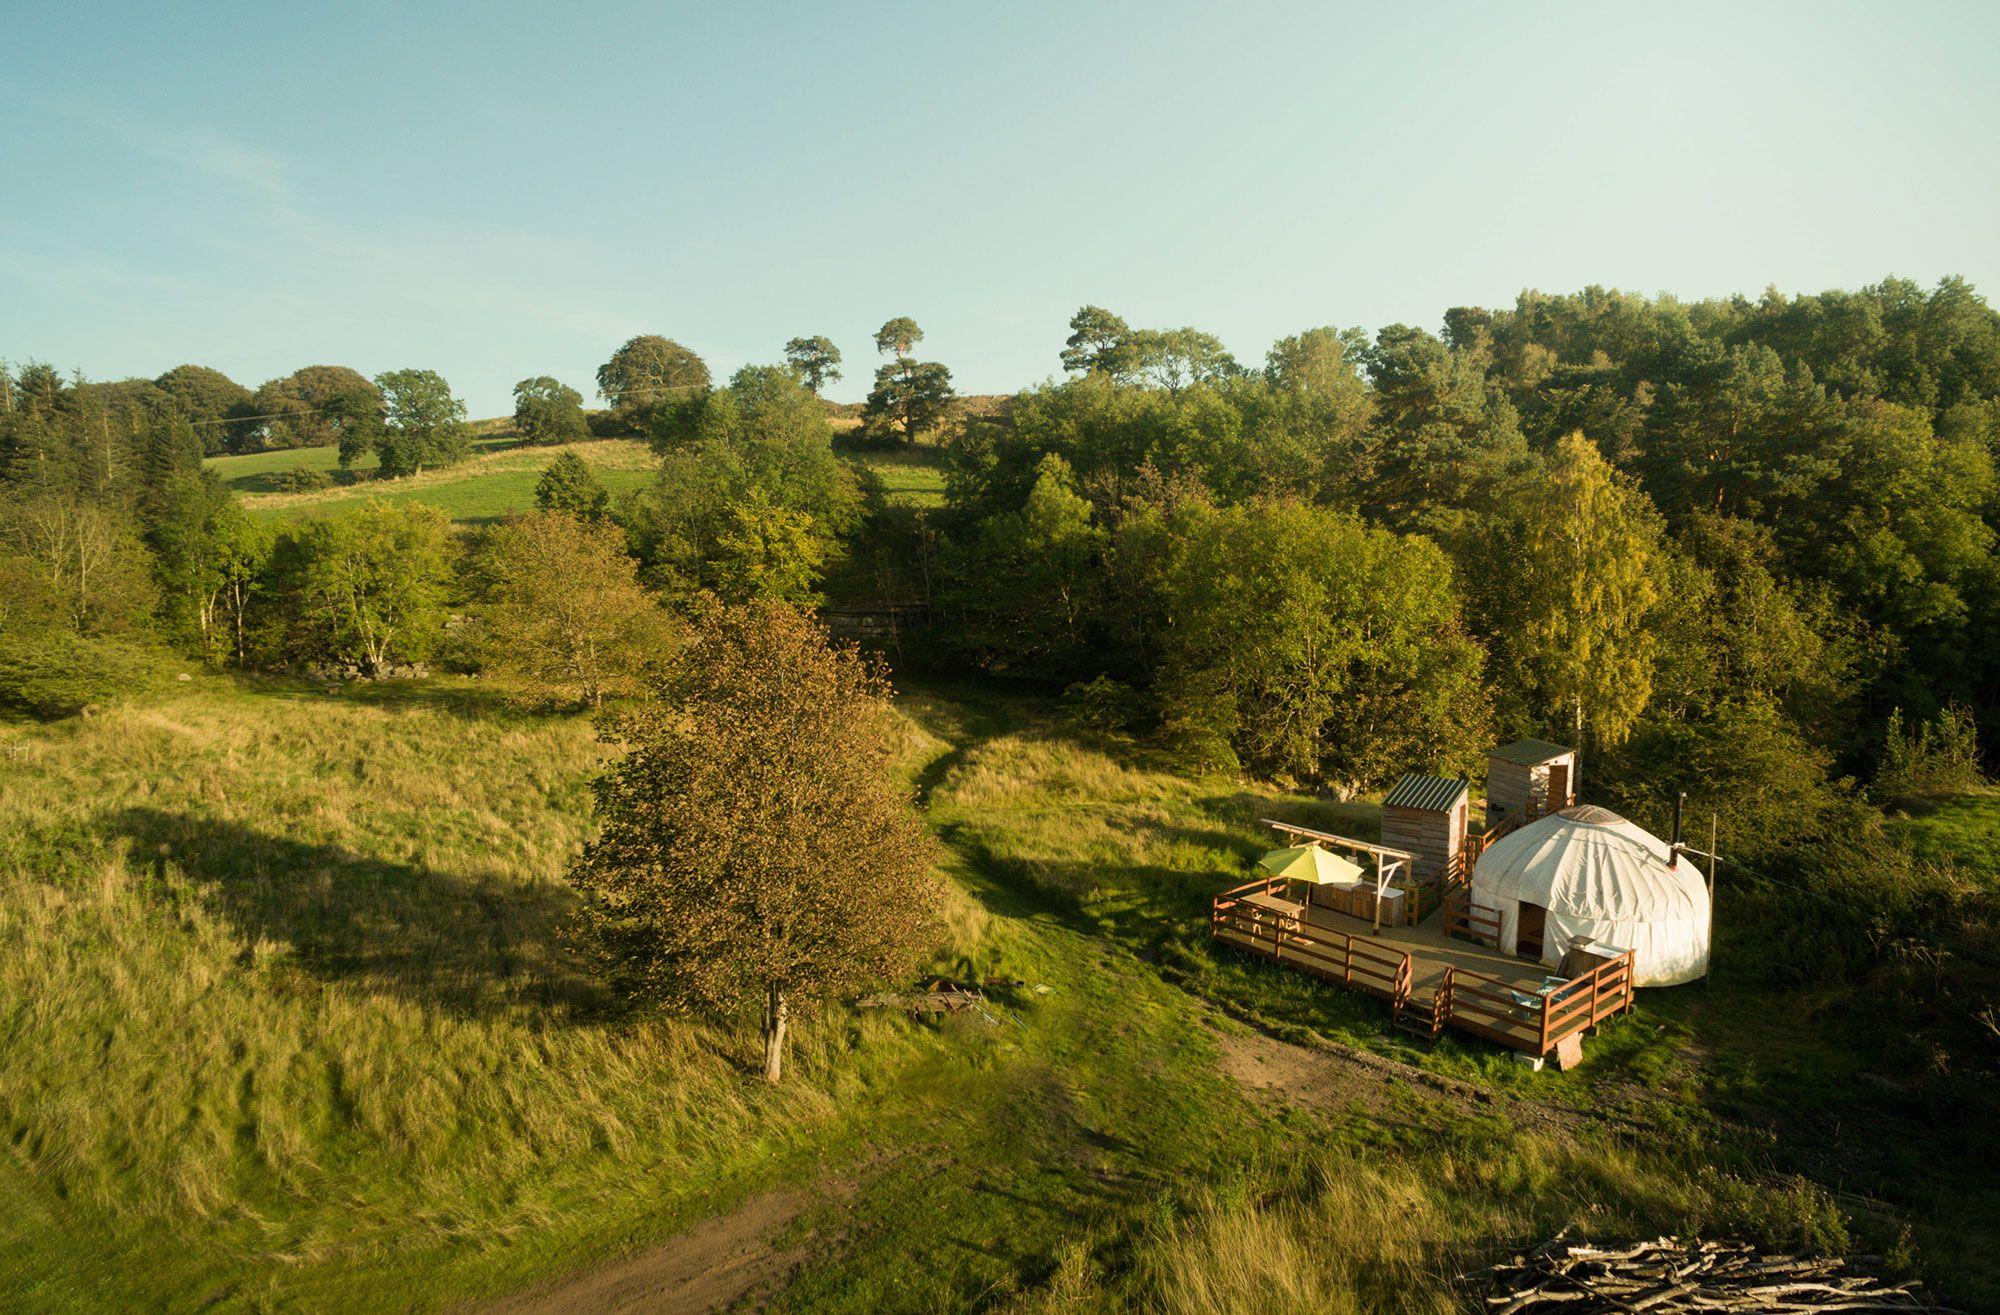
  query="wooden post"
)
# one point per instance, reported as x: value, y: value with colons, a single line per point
x: 1348, y: 971
x: 1596, y: 977
x: 1708, y: 978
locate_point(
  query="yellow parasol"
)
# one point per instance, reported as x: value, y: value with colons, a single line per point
x: 1309, y: 863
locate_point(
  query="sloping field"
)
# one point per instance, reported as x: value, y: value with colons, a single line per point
x: 292, y: 1024
x: 499, y: 479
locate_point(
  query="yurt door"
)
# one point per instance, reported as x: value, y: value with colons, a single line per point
x: 1528, y: 935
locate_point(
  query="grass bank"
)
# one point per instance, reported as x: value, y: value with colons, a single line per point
x: 497, y: 479
x: 290, y: 1022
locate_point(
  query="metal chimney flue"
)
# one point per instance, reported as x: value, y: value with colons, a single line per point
x: 1674, y: 846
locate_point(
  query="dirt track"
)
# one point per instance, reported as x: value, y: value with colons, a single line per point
x: 713, y: 1265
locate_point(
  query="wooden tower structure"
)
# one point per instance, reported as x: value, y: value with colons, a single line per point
x: 1528, y: 779
x: 1426, y: 815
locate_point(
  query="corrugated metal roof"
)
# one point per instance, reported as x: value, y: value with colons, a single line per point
x: 1433, y: 794
x: 1529, y: 753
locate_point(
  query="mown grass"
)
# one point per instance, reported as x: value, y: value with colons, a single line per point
x: 499, y: 478
x: 910, y: 478
x: 289, y: 1021
x: 1962, y: 830
x: 257, y: 472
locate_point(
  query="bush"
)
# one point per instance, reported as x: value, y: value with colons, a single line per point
x: 1939, y: 756
x: 57, y: 675
x: 1103, y: 704
x: 302, y: 479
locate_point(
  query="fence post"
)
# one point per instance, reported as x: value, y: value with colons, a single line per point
x: 1347, y: 972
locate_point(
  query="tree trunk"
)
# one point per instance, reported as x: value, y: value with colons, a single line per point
x: 776, y: 1011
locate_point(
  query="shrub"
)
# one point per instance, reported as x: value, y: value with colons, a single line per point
x: 57, y: 675
x: 1103, y: 704
x: 302, y: 479
x: 1939, y: 756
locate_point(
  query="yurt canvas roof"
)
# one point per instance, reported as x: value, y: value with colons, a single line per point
x: 1600, y: 879
x: 1591, y: 863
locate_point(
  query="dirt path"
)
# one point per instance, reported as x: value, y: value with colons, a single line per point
x: 712, y: 1266
x: 1336, y: 1077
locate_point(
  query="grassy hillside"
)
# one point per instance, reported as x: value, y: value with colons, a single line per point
x: 256, y: 472
x: 1963, y: 830
x: 290, y: 1021
x: 499, y: 477
x: 910, y: 478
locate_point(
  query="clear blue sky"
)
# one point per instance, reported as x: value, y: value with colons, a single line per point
x: 495, y: 190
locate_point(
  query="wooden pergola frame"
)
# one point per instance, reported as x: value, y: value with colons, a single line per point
x: 1386, y: 860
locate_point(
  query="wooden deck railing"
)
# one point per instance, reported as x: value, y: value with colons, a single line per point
x: 1513, y: 820
x: 1353, y: 961
x: 1470, y: 921
x: 1584, y: 1002
x: 1474, y: 1002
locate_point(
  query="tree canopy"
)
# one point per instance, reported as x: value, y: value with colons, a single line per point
x: 564, y: 611
x: 754, y: 848
x: 547, y: 410
x: 423, y: 426
x: 816, y: 359
x: 318, y: 406
x: 646, y: 366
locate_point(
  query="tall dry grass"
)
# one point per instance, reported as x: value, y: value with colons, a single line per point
x: 1363, y: 1233
x: 288, y: 971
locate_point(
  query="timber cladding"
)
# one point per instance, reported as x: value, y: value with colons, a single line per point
x: 1426, y: 816
x: 1435, y: 838
x: 1518, y: 776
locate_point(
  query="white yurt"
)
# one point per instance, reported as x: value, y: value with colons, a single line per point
x: 1585, y: 873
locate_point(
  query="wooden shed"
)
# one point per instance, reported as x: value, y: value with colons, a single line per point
x: 1426, y: 815
x: 1530, y: 777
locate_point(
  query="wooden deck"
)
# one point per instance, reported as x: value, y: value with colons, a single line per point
x: 1431, y: 980
x: 1431, y: 951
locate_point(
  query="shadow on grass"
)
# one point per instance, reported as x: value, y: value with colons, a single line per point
x: 474, y: 945
x: 470, y: 700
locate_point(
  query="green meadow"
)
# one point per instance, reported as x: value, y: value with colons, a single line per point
x: 292, y: 1022
x: 498, y: 479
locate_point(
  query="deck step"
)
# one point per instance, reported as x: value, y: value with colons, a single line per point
x: 1419, y: 1020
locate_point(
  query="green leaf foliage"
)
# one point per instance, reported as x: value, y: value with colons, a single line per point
x: 547, y: 410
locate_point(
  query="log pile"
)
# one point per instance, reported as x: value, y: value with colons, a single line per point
x: 1670, y: 1275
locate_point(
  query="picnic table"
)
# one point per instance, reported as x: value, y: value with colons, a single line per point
x: 1276, y: 907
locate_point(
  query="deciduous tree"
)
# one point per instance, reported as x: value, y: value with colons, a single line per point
x: 754, y: 845
x: 565, y: 613
x: 547, y: 410
x: 207, y: 398
x: 362, y: 587
x: 1567, y: 575
x: 646, y: 370
x: 318, y: 406
x: 425, y: 424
